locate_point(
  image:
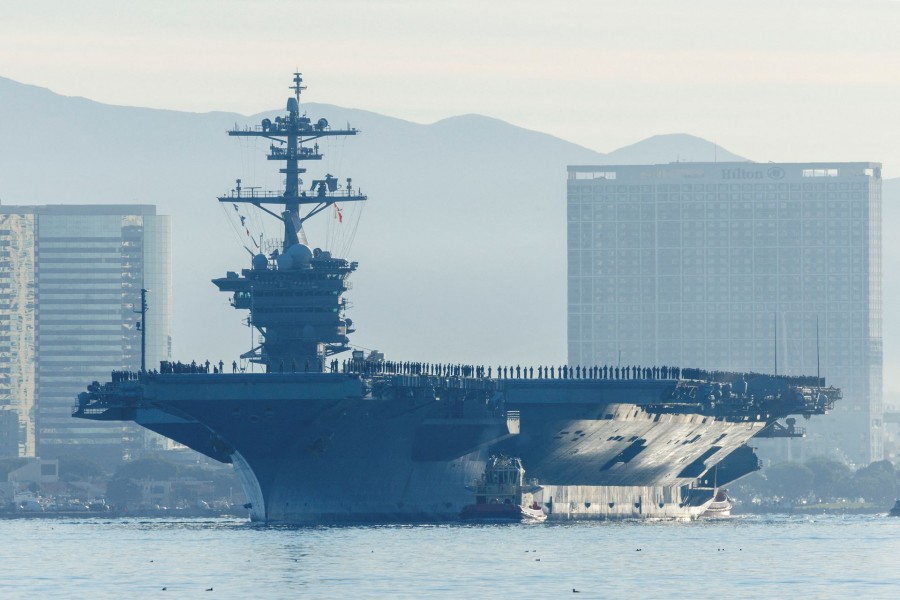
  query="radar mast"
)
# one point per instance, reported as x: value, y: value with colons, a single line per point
x: 292, y: 134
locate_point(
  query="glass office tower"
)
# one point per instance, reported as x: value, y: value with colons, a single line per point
x: 71, y: 278
x: 735, y: 266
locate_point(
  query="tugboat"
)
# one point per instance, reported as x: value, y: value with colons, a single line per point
x: 895, y: 512
x: 503, y: 496
x: 720, y: 507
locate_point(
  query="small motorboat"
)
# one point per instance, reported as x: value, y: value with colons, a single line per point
x: 895, y: 512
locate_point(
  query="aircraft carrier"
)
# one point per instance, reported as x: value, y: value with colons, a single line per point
x: 329, y: 434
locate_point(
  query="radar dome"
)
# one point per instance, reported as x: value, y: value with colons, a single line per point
x: 260, y: 262
x: 295, y: 257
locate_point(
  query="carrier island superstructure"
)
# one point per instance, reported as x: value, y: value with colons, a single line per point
x: 325, y: 436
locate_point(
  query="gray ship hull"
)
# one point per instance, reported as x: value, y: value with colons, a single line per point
x: 325, y: 448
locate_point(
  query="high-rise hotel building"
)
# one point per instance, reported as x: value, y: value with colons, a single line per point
x: 70, y: 282
x: 728, y: 265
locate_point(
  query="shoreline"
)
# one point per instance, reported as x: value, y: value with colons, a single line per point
x: 124, y: 514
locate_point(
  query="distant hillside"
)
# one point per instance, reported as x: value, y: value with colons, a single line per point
x: 462, y: 244
x: 675, y: 147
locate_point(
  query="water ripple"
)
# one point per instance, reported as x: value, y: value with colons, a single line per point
x: 771, y: 556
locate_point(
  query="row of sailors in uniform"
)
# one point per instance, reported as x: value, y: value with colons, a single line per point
x: 368, y: 367
x: 166, y: 366
x: 387, y: 367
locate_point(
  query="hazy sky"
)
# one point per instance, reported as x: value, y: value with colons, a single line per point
x: 786, y: 80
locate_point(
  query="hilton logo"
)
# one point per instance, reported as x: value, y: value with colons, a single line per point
x: 741, y: 174
x: 775, y: 173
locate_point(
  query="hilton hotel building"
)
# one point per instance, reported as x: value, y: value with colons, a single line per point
x: 711, y: 265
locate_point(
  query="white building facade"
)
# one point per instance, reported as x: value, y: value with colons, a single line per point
x: 737, y: 267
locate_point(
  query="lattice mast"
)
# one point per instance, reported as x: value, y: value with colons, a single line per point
x: 293, y: 131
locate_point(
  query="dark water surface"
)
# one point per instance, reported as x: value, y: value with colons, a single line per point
x: 752, y: 557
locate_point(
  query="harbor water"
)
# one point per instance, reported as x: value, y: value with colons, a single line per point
x: 743, y: 557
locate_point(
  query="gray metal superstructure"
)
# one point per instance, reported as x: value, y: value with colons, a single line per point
x: 315, y: 439
x: 294, y: 294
